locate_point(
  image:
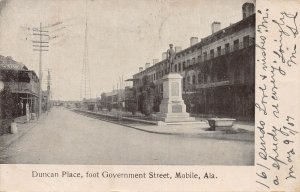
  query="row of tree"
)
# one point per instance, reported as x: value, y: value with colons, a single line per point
x: 142, y: 99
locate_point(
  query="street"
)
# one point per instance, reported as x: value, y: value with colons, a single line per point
x: 65, y: 137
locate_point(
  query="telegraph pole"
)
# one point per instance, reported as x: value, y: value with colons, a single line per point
x: 48, y: 91
x: 40, y: 46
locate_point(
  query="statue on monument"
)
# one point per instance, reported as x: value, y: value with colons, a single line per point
x: 170, y: 58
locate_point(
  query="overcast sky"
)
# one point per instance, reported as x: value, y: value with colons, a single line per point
x: 123, y: 35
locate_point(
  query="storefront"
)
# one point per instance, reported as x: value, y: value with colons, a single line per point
x: 19, y: 95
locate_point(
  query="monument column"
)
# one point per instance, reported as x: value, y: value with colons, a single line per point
x: 172, y: 107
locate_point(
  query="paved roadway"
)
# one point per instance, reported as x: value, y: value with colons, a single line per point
x: 65, y: 137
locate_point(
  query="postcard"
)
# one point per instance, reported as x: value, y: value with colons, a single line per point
x: 149, y: 95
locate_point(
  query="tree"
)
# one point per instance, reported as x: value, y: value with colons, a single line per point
x: 131, y: 100
x: 147, y: 96
x: 8, y: 104
x: 132, y: 107
x: 157, y: 102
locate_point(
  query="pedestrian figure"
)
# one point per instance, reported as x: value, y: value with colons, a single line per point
x: 27, y: 112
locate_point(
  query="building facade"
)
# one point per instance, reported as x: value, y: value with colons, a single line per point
x: 218, y: 71
x: 20, y: 93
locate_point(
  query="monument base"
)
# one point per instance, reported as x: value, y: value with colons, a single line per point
x: 172, y: 107
x: 170, y: 118
x: 173, y: 112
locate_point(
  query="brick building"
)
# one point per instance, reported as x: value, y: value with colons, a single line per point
x: 218, y: 71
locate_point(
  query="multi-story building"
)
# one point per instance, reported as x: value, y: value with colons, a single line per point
x: 20, y: 90
x: 218, y: 71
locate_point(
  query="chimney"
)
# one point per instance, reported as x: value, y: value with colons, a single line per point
x: 193, y: 40
x: 164, y: 55
x: 147, y: 65
x: 215, y: 26
x: 178, y: 49
x: 140, y: 69
x: 155, y: 61
x: 248, y: 9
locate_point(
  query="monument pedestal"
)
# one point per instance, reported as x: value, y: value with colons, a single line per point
x: 172, y: 107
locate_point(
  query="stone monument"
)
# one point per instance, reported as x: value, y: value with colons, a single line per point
x: 172, y: 107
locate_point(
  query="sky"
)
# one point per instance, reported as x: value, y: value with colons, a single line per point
x: 123, y: 35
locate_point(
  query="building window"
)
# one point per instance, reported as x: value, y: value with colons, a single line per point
x: 188, y: 80
x: 194, y: 60
x: 205, y: 55
x: 236, y: 45
x: 188, y: 62
x: 246, y: 41
x: 199, y: 58
x: 237, y: 74
x: 199, y: 78
x: 205, y: 78
x: 221, y: 71
x: 212, y: 53
x: 194, y: 79
x: 219, y: 51
x: 183, y: 83
x: 175, y: 68
x: 179, y: 66
x: 205, y: 73
x: 183, y: 66
x: 227, y: 48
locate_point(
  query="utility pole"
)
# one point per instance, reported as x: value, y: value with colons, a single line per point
x: 48, y: 91
x: 40, y: 46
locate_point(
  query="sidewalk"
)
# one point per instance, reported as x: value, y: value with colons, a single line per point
x: 243, y: 131
x: 246, y: 125
x: 23, y: 128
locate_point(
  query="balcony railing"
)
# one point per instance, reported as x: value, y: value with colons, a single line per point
x: 213, y: 84
x: 22, y: 87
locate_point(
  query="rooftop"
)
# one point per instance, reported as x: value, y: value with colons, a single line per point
x: 10, y: 64
x: 213, y: 37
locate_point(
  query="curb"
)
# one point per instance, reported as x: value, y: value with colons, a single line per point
x: 165, y: 133
x: 210, y: 135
